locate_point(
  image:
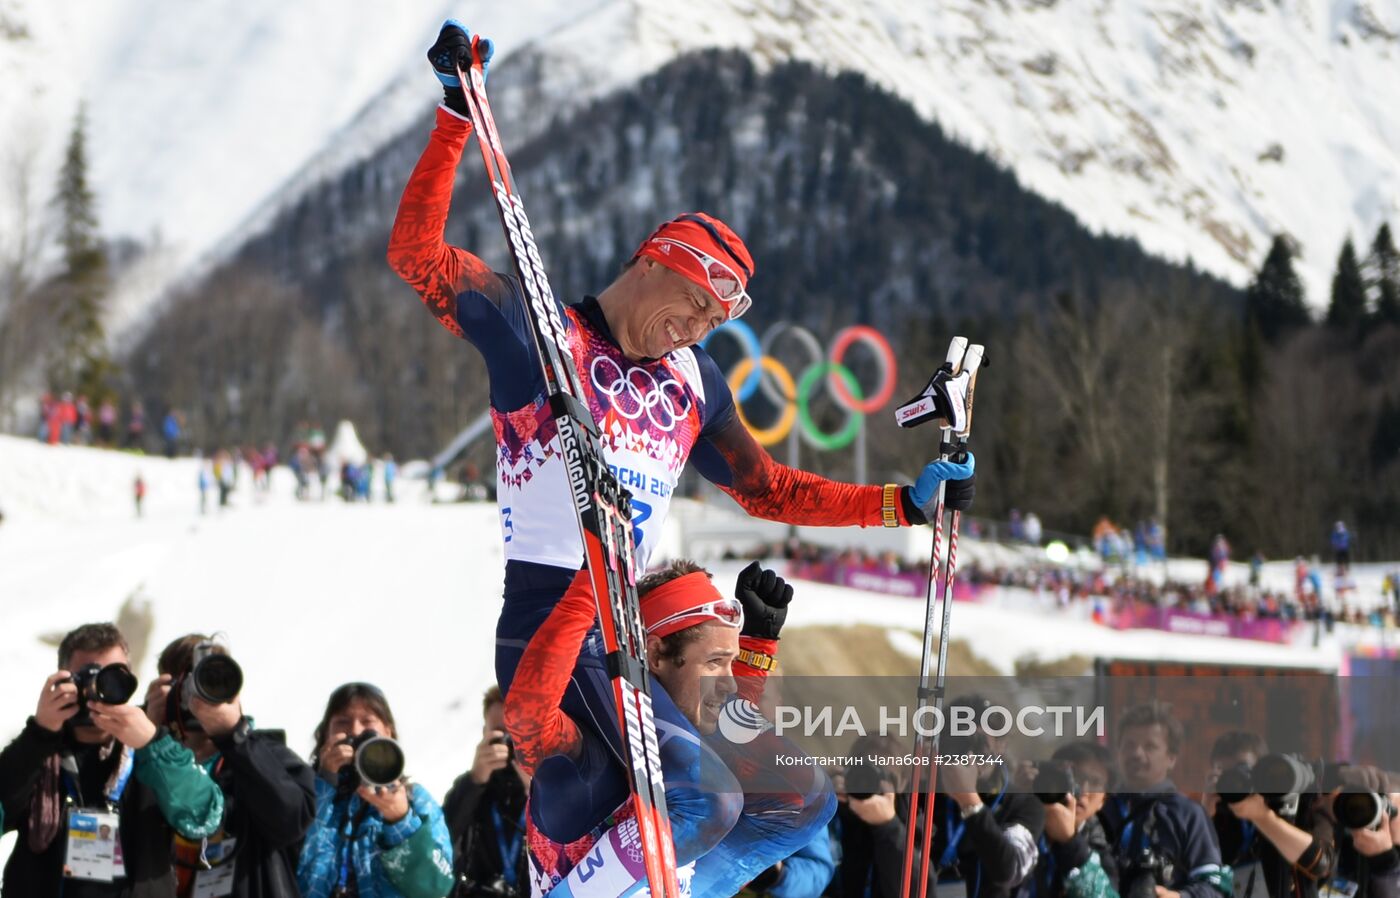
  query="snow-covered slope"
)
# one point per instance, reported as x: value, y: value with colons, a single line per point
x: 1199, y: 126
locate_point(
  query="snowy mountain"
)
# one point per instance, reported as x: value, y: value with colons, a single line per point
x: 1200, y: 128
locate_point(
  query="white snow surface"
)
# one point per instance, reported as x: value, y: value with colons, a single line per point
x: 1201, y: 127
x: 312, y: 595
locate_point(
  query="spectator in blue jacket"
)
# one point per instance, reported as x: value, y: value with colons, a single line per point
x: 1341, y: 545
x: 170, y: 431
x: 372, y: 842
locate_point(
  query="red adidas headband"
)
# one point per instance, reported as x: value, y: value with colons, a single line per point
x: 697, y: 232
x: 687, y: 601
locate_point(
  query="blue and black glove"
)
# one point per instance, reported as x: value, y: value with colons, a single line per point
x: 921, y: 499
x: 453, y: 50
x: 765, y: 597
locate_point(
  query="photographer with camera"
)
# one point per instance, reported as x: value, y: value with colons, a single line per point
x: 1230, y: 749
x: 986, y: 833
x: 269, y: 793
x: 375, y: 834
x: 1076, y: 859
x: 88, y: 764
x: 1368, y: 826
x: 485, y: 811
x: 1269, y: 818
x: 1164, y: 843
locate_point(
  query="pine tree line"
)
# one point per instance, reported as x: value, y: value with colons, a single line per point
x: 56, y: 325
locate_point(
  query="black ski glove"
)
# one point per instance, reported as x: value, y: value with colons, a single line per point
x: 958, y: 494
x: 765, y: 597
x: 453, y: 49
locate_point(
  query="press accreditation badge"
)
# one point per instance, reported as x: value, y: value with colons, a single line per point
x: 218, y: 881
x: 92, y: 845
x: 215, y: 883
x: 1337, y: 887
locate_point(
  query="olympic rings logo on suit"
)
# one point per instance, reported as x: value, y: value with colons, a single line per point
x: 760, y: 371
x: 653, y: 400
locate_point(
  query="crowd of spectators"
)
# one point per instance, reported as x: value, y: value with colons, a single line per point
x: 1114, y: 587
x: 66, y: 419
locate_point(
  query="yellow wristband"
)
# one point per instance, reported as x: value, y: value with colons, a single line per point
x: 889, y: 507
x: 757, y: 660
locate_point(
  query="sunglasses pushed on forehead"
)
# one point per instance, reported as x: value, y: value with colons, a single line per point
x: 724, y: 283
x: 729, y: 612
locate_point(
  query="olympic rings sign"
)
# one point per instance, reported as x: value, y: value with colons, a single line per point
x: 760, y: 371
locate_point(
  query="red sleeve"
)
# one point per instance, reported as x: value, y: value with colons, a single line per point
x: 750, y: 679
x: 417, y: 252
x: 766, y: 489
x: 533, y: 717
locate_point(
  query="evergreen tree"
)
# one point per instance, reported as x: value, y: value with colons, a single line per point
x: 1348, y: 306
x: 1274, y: 301
x: 1383, y: 276
x: 83, y: 364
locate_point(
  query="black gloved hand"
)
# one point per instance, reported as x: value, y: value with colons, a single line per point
x: 765, y: 597
x: 958, y: 494
x: 452, y: 50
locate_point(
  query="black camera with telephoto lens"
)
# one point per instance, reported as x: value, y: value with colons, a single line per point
x: 1360, y: 808
x: 379, y: 761
x: 1053, y: 781
x: 214, y: 677
x: 114, y: 684
x: 1281, y: 779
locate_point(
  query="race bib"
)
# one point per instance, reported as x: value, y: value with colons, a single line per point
x: 94, y: 849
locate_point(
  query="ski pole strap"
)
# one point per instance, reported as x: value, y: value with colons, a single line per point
x: 889, y: 505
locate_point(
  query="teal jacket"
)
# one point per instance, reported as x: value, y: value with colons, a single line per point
x: 191, y: 802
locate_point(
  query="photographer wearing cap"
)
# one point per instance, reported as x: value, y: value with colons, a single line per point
x: 269, y: 795
x: 88, y: 759
x: 375, y: 834
x: 986, y: 833
x: 1164, y: 843
x: 1076, y: 859
x: 485, y: 811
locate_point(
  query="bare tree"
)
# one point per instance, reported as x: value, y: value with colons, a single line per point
x: 24, y: 330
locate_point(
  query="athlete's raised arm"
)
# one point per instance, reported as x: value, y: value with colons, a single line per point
x: 417, y: 252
